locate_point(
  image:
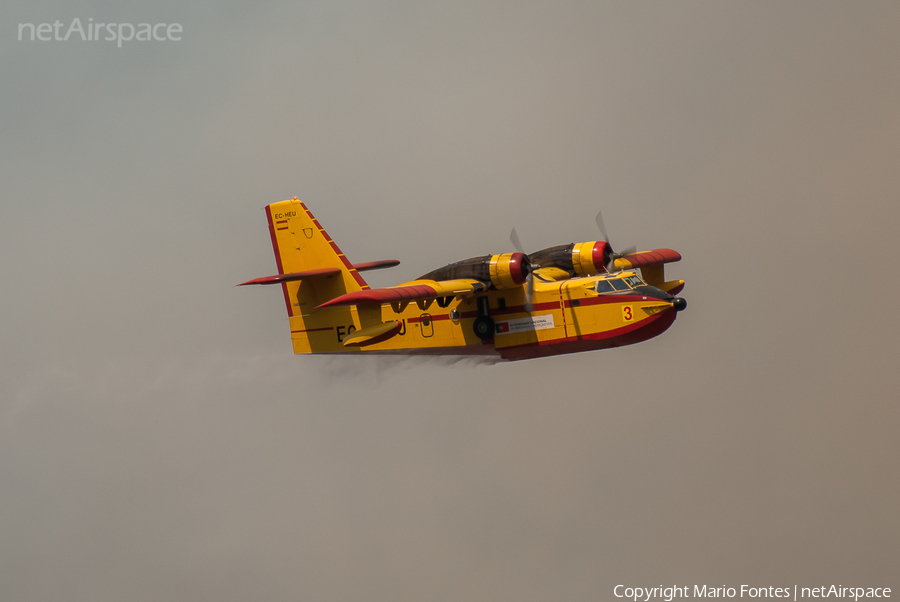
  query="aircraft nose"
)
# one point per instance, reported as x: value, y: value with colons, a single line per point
x: 679, y: 303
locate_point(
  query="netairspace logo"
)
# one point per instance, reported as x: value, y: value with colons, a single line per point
x: 92, y: 32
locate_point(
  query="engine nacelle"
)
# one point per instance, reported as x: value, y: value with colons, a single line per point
x: 503, y: 271
x: 508, y: 270
x: 583, y: 258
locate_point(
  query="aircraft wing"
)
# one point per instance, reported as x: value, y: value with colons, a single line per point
x: 647, y: 258
x: 411, y: 291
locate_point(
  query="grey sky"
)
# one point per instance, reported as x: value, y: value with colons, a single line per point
x: 158, y: 440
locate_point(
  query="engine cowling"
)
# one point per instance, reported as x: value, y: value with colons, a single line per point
x: 583, y: 258
x: 507, y: 270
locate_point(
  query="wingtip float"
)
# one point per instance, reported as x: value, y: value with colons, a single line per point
x: 563, y: 299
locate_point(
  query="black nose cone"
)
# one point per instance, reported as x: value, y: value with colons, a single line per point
x: 679, y: 304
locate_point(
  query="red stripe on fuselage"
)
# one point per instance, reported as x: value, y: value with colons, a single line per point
x: 314, y: 329
x: 627, y: 335
x: 603, y: 300
x: 517, y: 309
x: 435, y: 318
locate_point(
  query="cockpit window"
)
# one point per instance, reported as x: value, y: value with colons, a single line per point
x: 603, y: 286
x: 634, y: 281
x: 619, y: 284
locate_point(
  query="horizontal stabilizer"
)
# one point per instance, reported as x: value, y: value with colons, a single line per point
x: 376, y: 265
x: 278, y: 279
x: 319, y: 273
x: 373, y: 334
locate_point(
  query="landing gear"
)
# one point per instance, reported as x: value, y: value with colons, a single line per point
x: 483, y: 327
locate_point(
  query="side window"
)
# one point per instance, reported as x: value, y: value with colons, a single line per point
x: 620, y: 285
x: 634, y: 281
x: 603, y: 286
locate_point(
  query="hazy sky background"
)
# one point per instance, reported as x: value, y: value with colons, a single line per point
x: 159, y: 441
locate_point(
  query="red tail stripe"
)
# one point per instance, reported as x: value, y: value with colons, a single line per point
x: 359, y: 279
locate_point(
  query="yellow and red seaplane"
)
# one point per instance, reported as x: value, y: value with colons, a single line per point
x: 563, y: 299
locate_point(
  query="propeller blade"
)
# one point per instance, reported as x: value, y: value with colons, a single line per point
x: 599, y: 220
x: 611, y: 266
x: 529, y: 292
x: 514, y: 239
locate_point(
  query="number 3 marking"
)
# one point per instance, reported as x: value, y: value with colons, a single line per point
x: 626, y: 313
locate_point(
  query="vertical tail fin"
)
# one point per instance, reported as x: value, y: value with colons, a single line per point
x: 301, y: 244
